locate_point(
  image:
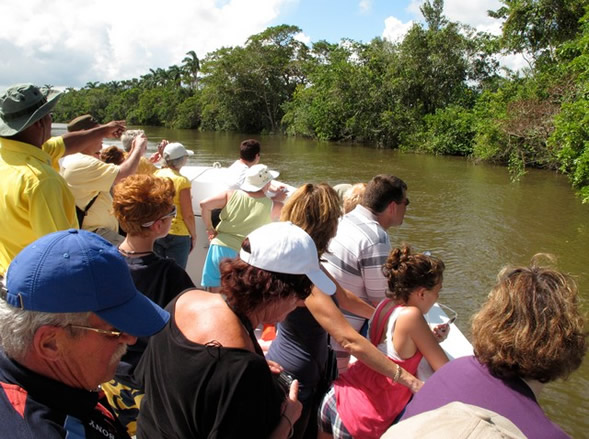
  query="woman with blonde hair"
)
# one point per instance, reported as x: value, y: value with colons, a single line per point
x: 529, y: 332
x: 362, y: 403
x: 301, y: 344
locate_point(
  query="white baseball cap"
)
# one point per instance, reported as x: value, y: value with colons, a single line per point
x: 256, y: 177
x: 175, y: 150
x: 282, y: 247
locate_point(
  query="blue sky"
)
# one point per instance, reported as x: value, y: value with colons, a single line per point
x: 64, y: 45
x: 360, y: 21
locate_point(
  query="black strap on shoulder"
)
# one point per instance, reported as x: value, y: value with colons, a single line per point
x: 81, y: 214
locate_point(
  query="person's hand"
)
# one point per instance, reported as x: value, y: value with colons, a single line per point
x: 140, y: 141
x: 274, y: 366
x: 192, y: 242
x: 441, y: 332
x: 114, y: 129
x: 292, y: 407
x: 161, y: 147
x: 211, y: 233
x: 416, y: 385
x: 280, y: 194
x: 155, y: 157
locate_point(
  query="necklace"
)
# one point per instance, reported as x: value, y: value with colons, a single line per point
x: 134, y: 253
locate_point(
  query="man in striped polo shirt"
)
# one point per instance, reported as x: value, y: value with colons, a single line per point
x: 361, y: 246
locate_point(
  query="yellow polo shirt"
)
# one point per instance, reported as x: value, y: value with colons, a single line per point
x: 35, y: 199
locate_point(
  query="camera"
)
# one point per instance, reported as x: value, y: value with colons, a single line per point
x: 284, y: 381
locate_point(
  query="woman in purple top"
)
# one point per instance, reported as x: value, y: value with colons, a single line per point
x: 529, y: 332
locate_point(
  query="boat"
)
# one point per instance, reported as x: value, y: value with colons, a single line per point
x: 210, y: 180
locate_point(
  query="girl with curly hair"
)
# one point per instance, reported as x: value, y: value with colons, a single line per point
x: 363, y: 403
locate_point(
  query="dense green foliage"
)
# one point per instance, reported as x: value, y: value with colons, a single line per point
x: 439, y: 90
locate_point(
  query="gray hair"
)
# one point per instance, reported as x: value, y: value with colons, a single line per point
x: 127, y: 138
x: 176, y: 163
x: 19, y: 327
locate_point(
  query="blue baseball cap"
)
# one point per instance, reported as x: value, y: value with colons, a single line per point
x: 79, y: 271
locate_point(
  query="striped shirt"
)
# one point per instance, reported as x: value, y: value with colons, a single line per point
x: 356, y: 255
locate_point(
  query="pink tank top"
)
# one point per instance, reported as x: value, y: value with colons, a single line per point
x: 367, y: 401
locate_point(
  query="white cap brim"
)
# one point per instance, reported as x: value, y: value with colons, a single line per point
x: 322, y: 281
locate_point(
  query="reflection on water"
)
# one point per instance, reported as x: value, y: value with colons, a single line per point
x: 469, y: 215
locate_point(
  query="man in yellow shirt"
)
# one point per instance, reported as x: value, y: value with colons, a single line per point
x: 34, y: 199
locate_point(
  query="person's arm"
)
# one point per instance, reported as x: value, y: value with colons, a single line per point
x: 349, y: 301
x: 218, y: 201
x: 129, y: 166
x: 332, y: 320
x: 276, y: 209
x: 188, y: 215
x: 411, y: 323
x: 78, y: 141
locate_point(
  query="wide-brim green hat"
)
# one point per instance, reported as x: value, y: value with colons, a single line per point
x: 22, y: 105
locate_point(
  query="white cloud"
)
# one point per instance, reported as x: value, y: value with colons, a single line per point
x: 71, y: 43
x: 471, y: 12
x: 474, y: 13
x: 303, y: 38
x: 395, y: 29
x: 365, y: 6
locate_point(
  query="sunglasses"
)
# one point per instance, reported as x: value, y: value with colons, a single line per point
x: 107, y: 332
x: 171, y: 214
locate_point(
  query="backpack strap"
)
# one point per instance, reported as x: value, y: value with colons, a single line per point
x: 81, y: 214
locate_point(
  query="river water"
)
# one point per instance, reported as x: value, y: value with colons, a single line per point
x: 471, y: 216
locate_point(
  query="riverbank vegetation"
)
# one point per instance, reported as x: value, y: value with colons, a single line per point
x: 439, y: 90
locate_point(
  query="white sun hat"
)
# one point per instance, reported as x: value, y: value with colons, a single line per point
x: 256, y: 177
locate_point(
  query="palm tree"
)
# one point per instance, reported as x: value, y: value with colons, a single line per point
x: 175, y: 73
x: 191, y: 67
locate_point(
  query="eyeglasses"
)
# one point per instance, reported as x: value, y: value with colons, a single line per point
x: 405, y: 202
x: 107, y: 332
x: 171, y: 214
x: 452, y: 315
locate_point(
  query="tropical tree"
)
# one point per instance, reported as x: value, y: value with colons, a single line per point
x: 244, y: 88
x: 536, y: 28
x: 191, y: 67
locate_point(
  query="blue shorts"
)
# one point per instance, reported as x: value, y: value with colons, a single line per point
x: 211, y: 275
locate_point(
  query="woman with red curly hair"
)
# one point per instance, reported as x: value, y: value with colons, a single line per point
x: 529, y: 332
